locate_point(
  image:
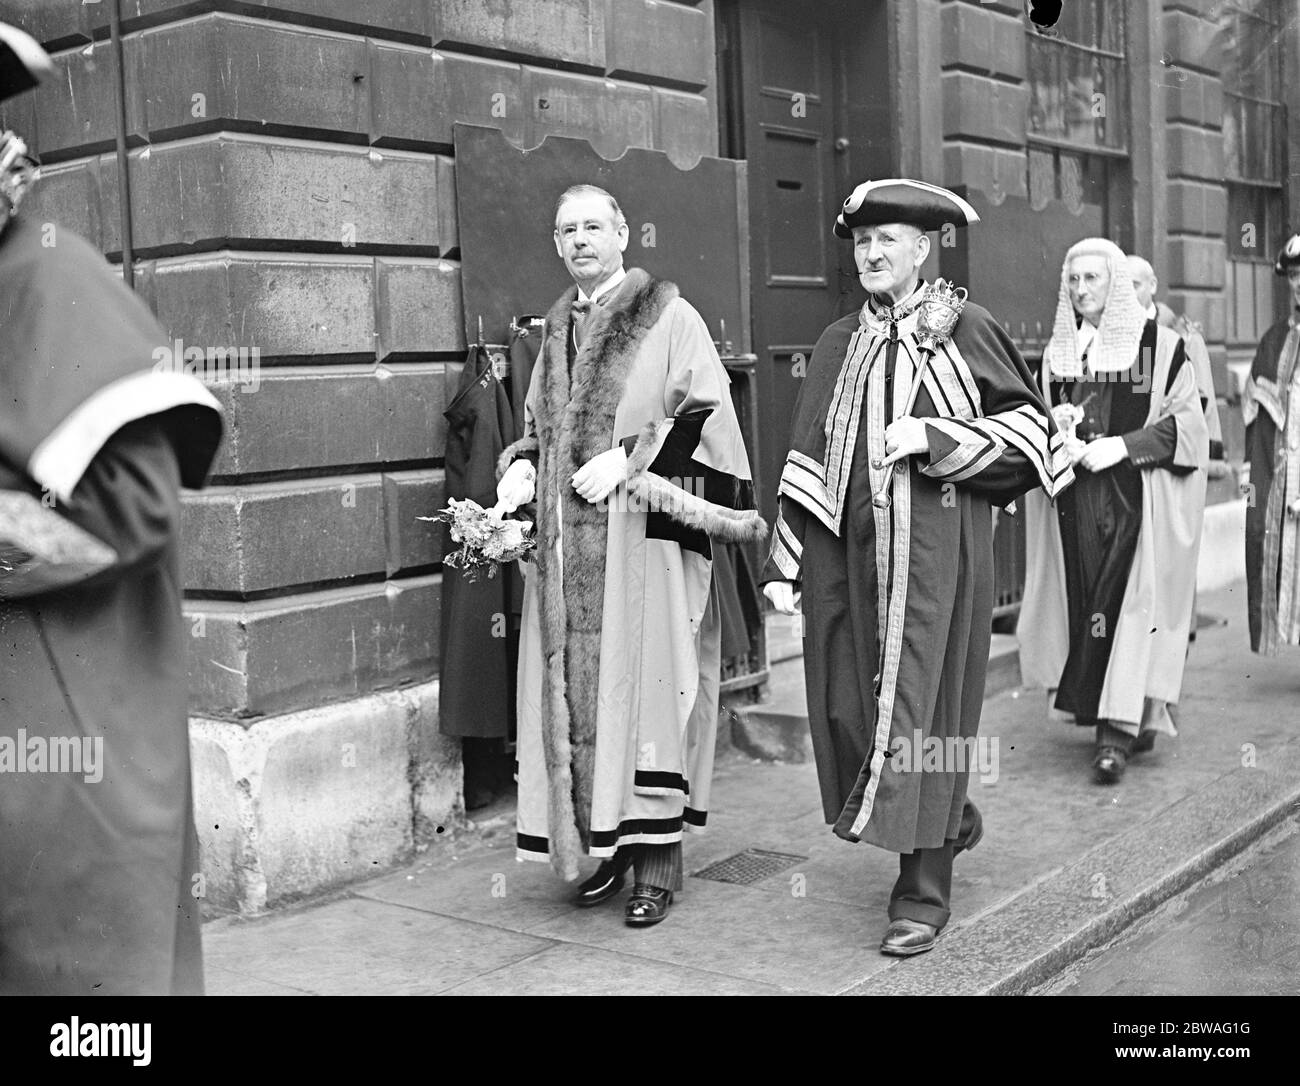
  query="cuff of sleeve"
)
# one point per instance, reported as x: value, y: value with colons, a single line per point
x: 1144, y: 449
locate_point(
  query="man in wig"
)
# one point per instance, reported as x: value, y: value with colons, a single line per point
x: 1272, y: 441
x: 99, y: 861
x: 634, y: 455
x: 1112, y: 569
x: 885, y: 535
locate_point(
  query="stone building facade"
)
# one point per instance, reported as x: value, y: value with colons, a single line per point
x: 292, y: 195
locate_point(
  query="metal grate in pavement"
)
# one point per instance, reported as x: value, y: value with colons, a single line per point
x: 748, y: 867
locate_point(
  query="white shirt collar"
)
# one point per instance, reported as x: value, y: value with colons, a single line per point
x: 605, y: 287
x: 1152, y: 312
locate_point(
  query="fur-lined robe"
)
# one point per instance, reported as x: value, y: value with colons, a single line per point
x: 619, y: 662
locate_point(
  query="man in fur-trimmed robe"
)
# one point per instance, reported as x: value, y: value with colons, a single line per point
x: 98, y: 856
x: 897, y: 594
x: 1271, y: 410
x: 1112, y: 570
x: 634, y: 455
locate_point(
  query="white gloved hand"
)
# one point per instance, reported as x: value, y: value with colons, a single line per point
x: 517, y: 487
x: 601, y: 474
x: 783, y: 596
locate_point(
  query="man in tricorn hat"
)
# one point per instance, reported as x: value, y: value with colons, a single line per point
x: 896, y: 574
x: 99, y: 872
x: 1273, y: 508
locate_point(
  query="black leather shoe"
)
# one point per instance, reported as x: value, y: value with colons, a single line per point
x: 1145, y: 741
x: 647, y: 905
x: 1109, y: 764
x: 903, y: 938
x: 603, y: 885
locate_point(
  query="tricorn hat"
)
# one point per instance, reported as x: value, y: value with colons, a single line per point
x: 23, y: 63
x: 1289, y: 257
x: 900, y: 199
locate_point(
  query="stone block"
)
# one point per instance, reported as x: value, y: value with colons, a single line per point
x: 275, y: 535
x: 659, y: 43
x: 222, y: 69
x: 334, y: 417
x: 70, y: 195
x: 1194, y: 153
x: 417, y: 307
x: 1190, y: 41
x: 413, y: 543
x: 982, y: 40
x: 1196, y: 262
x: 1196, y: 208
x: 977, y: 108
x: 282, y: 655
x: 312, y: 800
x: 291, y: 307
x: 239, y: 189
x: 483, y: 92
x: 405, y: 80
x: 997, y: 172
x: 400, y: 19
x: 1194, y: 98
x: 570, y: 32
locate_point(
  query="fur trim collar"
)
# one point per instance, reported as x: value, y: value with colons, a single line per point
x: 575, y: 418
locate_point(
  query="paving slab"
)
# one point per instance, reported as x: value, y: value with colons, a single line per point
x: 569, y: 968
x: 360, y: 947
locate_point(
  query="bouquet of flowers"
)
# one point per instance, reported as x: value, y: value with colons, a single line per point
x: 486, y: 540
x: 1067, y: 417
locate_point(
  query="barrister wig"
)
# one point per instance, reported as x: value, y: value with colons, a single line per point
x: 1119, y: 335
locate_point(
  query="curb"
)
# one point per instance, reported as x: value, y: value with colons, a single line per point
x: 1024, y: 942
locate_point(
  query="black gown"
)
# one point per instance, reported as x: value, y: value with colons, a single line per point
x: 1101, y: 516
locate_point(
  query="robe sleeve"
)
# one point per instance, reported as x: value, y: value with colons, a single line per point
x: 1155, y: 445
x: 785, y: 552
x: 122, y: 515
x: 691, y: 465
x: 1014, y: 445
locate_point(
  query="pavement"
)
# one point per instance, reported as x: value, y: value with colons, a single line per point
x: 1066, y: 867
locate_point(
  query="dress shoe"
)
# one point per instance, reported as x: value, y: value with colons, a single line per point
x: 1144, y: 742
x: 647, y: 905
x: 904, y: 938
x: 1109, y: 764
x: 603, y: 885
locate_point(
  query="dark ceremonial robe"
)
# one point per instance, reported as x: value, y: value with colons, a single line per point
x: 1273, y: 452
x: 897, y: 602
x: 99, y: 871
x: 476, y: 694
x: 1112, y: 570
x: 620, y: 648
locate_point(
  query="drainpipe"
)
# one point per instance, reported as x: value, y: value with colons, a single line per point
x: 123, y: 172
